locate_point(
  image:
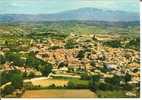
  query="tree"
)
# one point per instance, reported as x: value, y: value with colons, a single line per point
x: 13, y: 76
x: 46, y: 69
x: 81, y: 54
x: 7, y: 90
x: 134, y: 44
x: 4, y: 77
x: 113, y: 43
x: 70, y: 44
x: 104, y: 86
x: 85, y: 76
x: 6, y: 43
x: 96, y: 77
x: 71, y: 85
x: 15, y: 58
x: 115, y: 80
x: 94, y: 37
x: 2, y: 59
x: 32, y: 61
x: 127, y: 77
x: 94, y: 82
x: 17, y: 80
x: 93, y: 63
x: 92, y: 85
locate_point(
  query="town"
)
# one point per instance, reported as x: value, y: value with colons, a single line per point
x: 106, y: 65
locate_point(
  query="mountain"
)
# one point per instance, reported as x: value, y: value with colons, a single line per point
x: 85, y: 14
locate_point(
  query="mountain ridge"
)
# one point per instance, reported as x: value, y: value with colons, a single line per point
x: 88, y: 13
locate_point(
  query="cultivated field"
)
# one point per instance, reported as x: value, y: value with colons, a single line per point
x: 54, y: 93
x: 49, y: 82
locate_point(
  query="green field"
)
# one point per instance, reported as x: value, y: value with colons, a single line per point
x: 113, y: 94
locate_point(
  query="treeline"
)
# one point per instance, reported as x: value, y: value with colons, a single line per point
x: 121, y: 43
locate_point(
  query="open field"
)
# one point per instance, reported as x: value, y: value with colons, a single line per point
x: 57, y: 81
x: 54, y: 93
x: 49, y: 82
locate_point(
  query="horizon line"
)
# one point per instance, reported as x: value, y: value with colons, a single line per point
x: 67, y: 11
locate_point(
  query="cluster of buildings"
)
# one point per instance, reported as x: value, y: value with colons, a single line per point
x: 119, y: 60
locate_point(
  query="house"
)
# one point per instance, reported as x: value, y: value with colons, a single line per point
x: 111, y: 66
x: 63, y: 69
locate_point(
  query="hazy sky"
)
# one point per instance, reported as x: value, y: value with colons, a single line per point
x: 53, y: 6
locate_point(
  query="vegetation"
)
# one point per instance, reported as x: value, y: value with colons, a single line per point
x: 81, y: 54
x: 70, y: 44
x: 111, y: 94
x: 8, y: 89
x: 46, y: 69
x: 2, y: 59
x: 15, y: 58
x: 16, y: 80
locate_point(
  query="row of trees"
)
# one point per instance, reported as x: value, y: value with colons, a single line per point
x: 113, y: 83
x: 110, y: 83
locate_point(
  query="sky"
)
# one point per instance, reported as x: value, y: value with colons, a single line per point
x: 54, y: 6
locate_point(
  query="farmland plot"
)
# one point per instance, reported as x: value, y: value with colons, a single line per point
x: 56, y: 93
